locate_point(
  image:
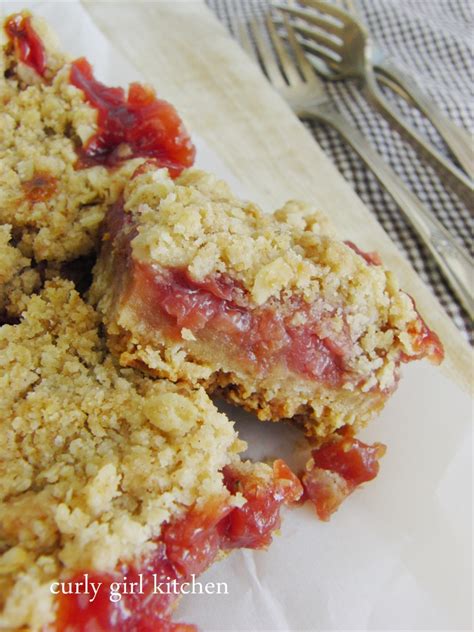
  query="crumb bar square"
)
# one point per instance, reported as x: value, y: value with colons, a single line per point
x: 273, y: 311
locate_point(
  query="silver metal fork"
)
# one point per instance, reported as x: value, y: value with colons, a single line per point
x: 460, y: 142
x: 295, y: 79
x: 343, y: 46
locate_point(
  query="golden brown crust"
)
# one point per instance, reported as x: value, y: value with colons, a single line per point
x: 320, y: 412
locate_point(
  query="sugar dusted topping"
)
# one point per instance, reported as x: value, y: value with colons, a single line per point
x: 93, y: 458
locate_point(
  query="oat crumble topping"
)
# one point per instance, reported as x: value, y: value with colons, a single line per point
x: 93, y: 458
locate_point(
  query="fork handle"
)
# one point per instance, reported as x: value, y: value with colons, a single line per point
x: 458, y: 141
x: 458, y: 181
x: 454, y: 263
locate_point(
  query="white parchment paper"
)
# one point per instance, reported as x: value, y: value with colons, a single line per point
x: 398, y: 554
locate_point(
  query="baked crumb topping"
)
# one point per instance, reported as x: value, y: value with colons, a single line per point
x: 93, y: 458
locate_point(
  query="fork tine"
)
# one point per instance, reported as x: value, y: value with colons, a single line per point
x: 269, y: 62
x: 322, y: 53
x: 308, y: 16
x: 305, y: 66
x: 286, y: 62
x: 308, y: 44
x: 329, y: 9
x: 323, y: 40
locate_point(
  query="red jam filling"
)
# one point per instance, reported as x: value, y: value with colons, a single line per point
x: 186, y: 547
x: 261, y: 336
x: 133, y: 125
x: 336, y: 469
x: 215, y: 309
x: 252, y: 525
x: 28, y: 46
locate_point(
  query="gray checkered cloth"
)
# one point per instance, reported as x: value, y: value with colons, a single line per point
x: 432, y: 40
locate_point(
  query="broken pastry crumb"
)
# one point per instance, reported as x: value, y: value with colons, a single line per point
x: 17, y: 278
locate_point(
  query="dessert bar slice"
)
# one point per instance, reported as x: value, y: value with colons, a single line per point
x: 271, y: 310
x: 106, y: 474
x: 68, y: 143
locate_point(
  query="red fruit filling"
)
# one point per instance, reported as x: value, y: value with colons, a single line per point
x: 186, y: 547
x: 336, y: 469
x: 252, y: 525
x: 133, y: 125
x: 28, y: 46
x: 262, y: 337
x: 214, y: 309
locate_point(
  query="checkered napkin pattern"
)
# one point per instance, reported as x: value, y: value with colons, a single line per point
x: 432, y: 40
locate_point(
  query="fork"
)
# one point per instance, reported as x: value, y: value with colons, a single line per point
x: 342, y: 43
x: 458, y: 141
x: 295, y: 79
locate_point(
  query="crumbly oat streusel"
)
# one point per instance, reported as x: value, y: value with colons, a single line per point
x: 93, y: 458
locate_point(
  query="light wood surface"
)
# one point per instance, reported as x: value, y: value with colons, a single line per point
x: 187, y: 55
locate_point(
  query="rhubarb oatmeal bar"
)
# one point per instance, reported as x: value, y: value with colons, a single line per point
x: 108, y: 472
x: 271, y: 310
x: 68, y: 143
